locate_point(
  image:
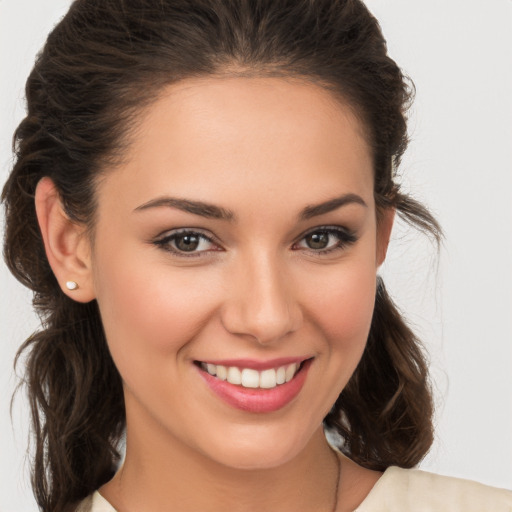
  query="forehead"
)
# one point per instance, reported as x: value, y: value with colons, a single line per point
x: 239, y: 135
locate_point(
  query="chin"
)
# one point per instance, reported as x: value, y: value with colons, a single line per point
x: 264, y: 451
x: 256, y: 459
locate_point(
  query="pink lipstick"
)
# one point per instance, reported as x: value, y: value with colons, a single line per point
x: 257, y: 399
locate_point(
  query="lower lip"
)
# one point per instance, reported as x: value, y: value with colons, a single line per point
x: 257, y: 400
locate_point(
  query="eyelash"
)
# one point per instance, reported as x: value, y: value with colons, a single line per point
x: 165, y: 242
x: 345, y: 238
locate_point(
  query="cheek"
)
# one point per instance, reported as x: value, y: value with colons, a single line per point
x: 340, y: 313
x: 343, y: 305
x: 147, y: 311
x: 351, y: 309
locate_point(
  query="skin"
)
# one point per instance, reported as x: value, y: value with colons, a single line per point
x: 264, y: 149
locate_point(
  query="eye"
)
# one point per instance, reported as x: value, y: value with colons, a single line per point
x: 326, y: 239
x: 186, y: 243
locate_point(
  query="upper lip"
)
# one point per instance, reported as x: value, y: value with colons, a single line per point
x: 255, y: 364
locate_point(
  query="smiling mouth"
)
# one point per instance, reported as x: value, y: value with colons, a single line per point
x: 251, y: 378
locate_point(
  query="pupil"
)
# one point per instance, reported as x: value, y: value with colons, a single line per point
x: 318, y: 240
x: 187, y: 242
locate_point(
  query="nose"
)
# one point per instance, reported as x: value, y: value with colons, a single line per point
x: 261, y: 303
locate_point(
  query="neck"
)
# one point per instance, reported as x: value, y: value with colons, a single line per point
x: 179, y: 478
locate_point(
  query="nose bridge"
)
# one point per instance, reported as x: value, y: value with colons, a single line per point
x: 261, y: 302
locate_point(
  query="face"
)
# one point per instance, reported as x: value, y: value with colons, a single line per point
x: 240, y: 239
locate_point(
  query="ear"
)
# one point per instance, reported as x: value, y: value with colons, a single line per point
x: 385, y: 220
x: 66, y: 243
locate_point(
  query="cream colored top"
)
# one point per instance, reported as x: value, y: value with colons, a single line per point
x: 402, y: 490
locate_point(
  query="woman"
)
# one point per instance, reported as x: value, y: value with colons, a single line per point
x: 213, y: 185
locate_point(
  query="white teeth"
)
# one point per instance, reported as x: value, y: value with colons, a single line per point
x: 268, y: 379
x: 250, y: 378
x: 234, y: 375
x: 222, y: 372
x: 290, y: 372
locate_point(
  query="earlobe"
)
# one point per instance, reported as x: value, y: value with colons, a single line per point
x: 384, y: 227
x: 66, y: 244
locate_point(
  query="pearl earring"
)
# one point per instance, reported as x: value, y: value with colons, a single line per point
x: 71, y: 285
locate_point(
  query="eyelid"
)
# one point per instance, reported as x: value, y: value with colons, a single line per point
x: 176, y: 231
x: 328, y: 228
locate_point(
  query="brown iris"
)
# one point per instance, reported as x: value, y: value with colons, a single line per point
x: 317, y: 240
x: 187, y: 242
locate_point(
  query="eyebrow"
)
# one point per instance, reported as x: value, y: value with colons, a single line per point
x: 331, y: 205
x: 207, y: 210
x: 212, y: 211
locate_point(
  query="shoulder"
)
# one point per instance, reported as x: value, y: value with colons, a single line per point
x: 419, y: 491
x: 95, y: 503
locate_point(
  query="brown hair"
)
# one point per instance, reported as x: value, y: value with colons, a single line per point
x: 102, y: 64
